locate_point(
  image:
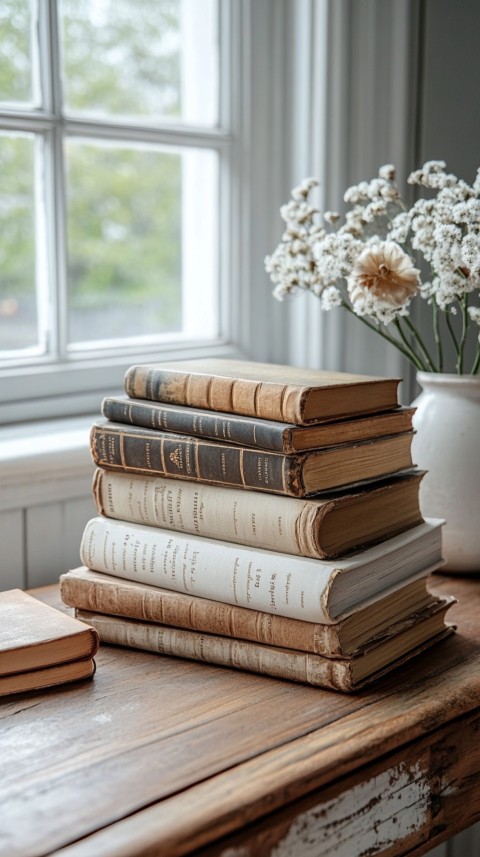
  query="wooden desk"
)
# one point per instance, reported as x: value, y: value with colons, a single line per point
x: 159, y: 756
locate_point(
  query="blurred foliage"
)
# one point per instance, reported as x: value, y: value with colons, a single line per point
x: 120, y: 58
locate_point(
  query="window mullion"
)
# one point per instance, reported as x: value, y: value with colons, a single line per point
x: 55, y: 200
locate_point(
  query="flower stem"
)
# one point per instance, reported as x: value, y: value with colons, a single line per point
x: 451, y: 331
x: 438, y: 339
x: 476, y: 362
x: 464, y: 304
x: 413, y: 330
x: 406, y: 351
x: 415, y: 358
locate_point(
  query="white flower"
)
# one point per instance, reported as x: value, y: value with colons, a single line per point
x: 365, y: 263
x: 383, y: 279
x: 474, y: 313
x: 302, y: 190
x: 400, y: 228
x: 387, y: 172
x: 330, y: 298
x: 331, y: 217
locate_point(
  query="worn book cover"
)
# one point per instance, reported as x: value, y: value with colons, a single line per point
x: 97, y: 592
x: 299, y: 587
x: 44, y: 677
x: 34, y: 635
x: 140, y: 450
x: 338, y: 674
x: 325, y: 527
x: 283, y: 393
x: 251, y: 431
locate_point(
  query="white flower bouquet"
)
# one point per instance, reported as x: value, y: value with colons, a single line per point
x: 367, y: 263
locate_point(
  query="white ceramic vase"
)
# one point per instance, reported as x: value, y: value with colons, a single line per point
x: 447, y: 446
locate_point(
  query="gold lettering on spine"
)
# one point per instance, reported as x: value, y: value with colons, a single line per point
x: 122, y: 450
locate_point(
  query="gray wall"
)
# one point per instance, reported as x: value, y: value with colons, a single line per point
x: 448, y: 122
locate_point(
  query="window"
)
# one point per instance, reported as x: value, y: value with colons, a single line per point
x: 115, y: 192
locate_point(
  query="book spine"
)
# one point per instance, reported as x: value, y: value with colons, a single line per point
x: 272, y: 522
x: 275, y: 583
x: 267, y: 660
x: 212, y: 426
x: 268, y: 401
x: 140, y: 450
x: 198, y: 614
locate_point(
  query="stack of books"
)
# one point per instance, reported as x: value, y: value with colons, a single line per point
x: 260, y: 517
x: 40, y: 646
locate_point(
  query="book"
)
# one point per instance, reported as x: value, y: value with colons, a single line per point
x: 339, y: 674
x: 44, y: 677
x: 35, y: 635
x: 41, y: 646
x: 250, y: 431
x: 140, y: 450
x: 265, y: 390
x: 97, y: 592
x: 298, y: 587
x: 324, y: 527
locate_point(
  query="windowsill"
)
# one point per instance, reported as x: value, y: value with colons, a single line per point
x: 45, y: 461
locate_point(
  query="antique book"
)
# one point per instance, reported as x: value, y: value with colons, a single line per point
x: 339, y: 674
x: 97, y: 592
x: 265, y: 390
x: 299, y: 587
x: 139, y: 450
x: 324, y: 527
x: 35, y: 635
x: 250, y: 431
x: 44, y: 677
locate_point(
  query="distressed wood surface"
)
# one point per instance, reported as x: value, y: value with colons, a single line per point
x: 405, y: 804
x: 163, y: 756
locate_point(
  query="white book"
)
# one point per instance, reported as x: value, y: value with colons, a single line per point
x: 298, y: 587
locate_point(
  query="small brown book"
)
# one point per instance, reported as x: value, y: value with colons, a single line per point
x: 41, y: 646
x: 265, y: 390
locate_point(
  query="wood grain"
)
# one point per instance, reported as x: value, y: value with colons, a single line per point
x: 158, y: 753
x: 405, y: 803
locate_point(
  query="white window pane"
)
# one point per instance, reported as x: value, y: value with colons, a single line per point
x: 128, y: 238
x: 18, y: 299
x: 151, y: 60
x: 18, y: 53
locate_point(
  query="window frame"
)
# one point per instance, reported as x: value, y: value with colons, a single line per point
x: 75, y: 383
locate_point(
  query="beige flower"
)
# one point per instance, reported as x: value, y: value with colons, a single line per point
x: 383, y: 276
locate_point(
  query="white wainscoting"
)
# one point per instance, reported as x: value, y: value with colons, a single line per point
x: 45, y: 499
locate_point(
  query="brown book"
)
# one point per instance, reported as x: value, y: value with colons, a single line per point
x: 313, y: 590
x: 250, y: 431
x: 140, y: 450
x: 339, y: 674
x: 103, y: 593
x: 45, y: 677
x: 322, y: 528
x: 34, y: 635
x: 265, y: 390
